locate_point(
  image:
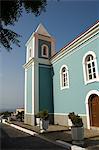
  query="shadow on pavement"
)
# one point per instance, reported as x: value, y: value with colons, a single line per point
x: 26, y: 142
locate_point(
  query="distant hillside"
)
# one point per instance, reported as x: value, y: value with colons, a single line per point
x: 10, y: 110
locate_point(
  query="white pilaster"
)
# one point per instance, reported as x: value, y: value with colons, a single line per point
x: 33, y: 87
x: 25, y: 89
x: 36, y: 46
x: 36, y: 87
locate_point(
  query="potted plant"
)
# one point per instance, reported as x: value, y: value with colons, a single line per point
x: 77, y: 129
x: 44, y: 120
x: 37, y: 119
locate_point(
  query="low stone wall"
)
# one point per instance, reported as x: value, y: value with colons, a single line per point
x: 29, y: 119
x: 63, y: 120
x: 60, y: 119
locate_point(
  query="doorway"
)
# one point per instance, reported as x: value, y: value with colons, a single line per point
x: 93, y: 103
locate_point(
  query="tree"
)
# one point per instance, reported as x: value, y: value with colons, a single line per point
x: 11, y: 11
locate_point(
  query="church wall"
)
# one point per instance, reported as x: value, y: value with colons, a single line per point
x: 42, y: 77
x: 72, y: 99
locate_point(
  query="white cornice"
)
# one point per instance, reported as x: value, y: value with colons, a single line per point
x: 37, y: 60
x: 77, y: 42
x: 26, y: 65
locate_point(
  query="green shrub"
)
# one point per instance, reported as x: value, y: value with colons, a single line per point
x: 37, y: 115
x: 43, y: 114
x: 75, y: 119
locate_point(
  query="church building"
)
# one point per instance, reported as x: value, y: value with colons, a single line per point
x: 63, y: 82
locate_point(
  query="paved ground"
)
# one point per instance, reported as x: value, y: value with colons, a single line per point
x: 56, y: 132
x: 13, y: 139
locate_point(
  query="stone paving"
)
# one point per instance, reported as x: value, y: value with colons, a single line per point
x: 57, y: 132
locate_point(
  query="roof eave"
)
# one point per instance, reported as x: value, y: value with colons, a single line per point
x: 81, y: 36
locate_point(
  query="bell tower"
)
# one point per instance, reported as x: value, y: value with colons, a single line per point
x: 38, y: 74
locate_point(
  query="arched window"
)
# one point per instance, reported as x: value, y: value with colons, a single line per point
x: 64, y: 78
x: 29, y: 53
x: 44, y: 50
x: 90, y: 67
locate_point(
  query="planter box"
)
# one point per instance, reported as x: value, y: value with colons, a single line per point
x: 70, y: 123
x: 77, y: 135
x: 44, y: 124
x: 38, y: 121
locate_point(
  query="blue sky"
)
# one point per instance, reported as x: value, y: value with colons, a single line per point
x: 64, y: 20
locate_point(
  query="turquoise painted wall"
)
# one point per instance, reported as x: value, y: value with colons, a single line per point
x: 29, y: 91
x: 45, y: 88
x: 73, y: 99
x: 40, y: 43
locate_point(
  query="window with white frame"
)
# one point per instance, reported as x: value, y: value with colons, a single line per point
x: 44, y: 50
x: 64, y: 78
x: 90, y: 67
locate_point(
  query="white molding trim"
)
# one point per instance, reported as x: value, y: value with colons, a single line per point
x: 39, y: 60
x: 65, y: 87
x: 60, y: 114
x: 71, y: 50
x: 29, y: 114
x: 25, y: 90
x: 66, y: 114
x: 87, y: 107
x: 27, y: 65
x: 88, y: 53
x: 36, y: 47
x: 36, y: 87
x: 84, y: 69
x: 26, y: 57
x: 33, y: 86
x: 79, y: 40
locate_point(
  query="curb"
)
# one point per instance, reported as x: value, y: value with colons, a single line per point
x: 70, y: 146
x: 21, y: 129
x: 64, y: 144
x: 24, y: 130
x: 57, y: 142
